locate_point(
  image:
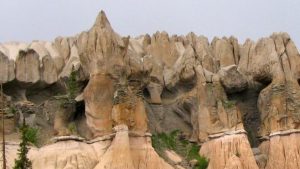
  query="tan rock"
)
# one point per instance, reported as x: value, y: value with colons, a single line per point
x: 231, y: 151
x: 133, y: 153
x: 7, y: 68
x: 205, y: 53
x: 12, y: 153
x: 232, y: 80
x: 179, y: 167
x: 261, y: 160
x: 234, y: 162
x: 173, y: 156
x: 28, y: 66
x: 98, y: 107
x: 223, y: 52
x: 215, y: 113
x: 100, y: 49
x: 62, y: 118
x: 54, y: 53
x: 118, y: 154
x: 193, y: 162
x: 283, y: 152
x: 66, y: 154
x: 174, y: 70
x: 62, y: 45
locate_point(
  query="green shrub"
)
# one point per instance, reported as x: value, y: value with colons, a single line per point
x: 31, y: 135
x: 193, y: 153
x: 172, y: 141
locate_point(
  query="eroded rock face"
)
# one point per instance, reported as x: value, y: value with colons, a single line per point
x: 161, y: 83
x: 216, y: 114
x: 282, y: 150
x: 229, y: 151
x: 131, y: 152
x: 98, y: 107
x: 112, y: 152
x: 67, y: 154
x: 232, y: 80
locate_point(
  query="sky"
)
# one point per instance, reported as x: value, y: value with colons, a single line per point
x: 27, y: 20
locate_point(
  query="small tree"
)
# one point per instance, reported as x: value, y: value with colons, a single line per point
x: 72, y: 87
x: 23, y: 162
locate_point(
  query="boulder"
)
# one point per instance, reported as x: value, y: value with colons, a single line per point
x: 232, y: 80
x: 173, y: 156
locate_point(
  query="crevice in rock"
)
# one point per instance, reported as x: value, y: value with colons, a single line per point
x: 80, y: 120
x: 246, y: 101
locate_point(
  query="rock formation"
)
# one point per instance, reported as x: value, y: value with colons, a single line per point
x: 220, y: 94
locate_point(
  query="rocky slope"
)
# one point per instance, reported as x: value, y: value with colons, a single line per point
x: 217, y: 93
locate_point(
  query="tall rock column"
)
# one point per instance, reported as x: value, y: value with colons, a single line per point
x: 221, y: 129
x: 101, y: 53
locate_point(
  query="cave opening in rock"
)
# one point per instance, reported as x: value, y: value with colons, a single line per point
x: 80, y: 120
x: 246, y: 102
x: 146, y: 93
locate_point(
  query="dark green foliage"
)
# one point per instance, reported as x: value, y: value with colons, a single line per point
x: 23, y: 162
x: 31, y: 135
x: 72, y: 86
x: 194, y: 154
x: 72, y: 90
x: 184, y: 148
x: 162, y: 141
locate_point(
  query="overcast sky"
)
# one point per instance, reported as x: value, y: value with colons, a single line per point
x: 27, y: 20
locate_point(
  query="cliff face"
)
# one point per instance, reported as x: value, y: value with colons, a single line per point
x: 216, y: 93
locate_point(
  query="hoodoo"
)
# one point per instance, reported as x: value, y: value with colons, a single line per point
x: 239, y: 102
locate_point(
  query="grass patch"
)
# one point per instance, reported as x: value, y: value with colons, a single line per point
x: 173, y: 141
x: 163, y: 141
x: 193, y: 153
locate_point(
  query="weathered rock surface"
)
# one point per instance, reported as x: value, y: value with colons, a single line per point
x: 232, y: 80
x: 230, y: 151
x: 282, y: 151
x: 161, y: 83
x: 66, y: 154
x: 123, y: 151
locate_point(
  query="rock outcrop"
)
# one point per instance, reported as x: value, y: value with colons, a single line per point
x: 132, y: 86
x: 229, y: 151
